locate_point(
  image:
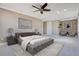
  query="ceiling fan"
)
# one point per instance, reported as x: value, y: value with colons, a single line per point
x: 42, y: 8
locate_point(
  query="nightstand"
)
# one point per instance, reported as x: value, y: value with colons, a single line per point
x: 11, y: 40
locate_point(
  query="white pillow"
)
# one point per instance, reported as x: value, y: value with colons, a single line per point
x: 29, y: 37
x: 24, y: 38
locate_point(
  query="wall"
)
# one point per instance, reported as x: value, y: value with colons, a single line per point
x: 1, y: 30
x: 78, y: 26
x: 44, y: 27
x: 10, y: 20
x: 0, y: 25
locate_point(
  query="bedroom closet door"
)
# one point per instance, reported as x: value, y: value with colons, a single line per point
x: 49, y: 28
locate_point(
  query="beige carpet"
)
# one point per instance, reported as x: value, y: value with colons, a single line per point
x: 51, y: 50
x: 16, y: 50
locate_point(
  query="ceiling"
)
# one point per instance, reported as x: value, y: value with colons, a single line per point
x: 59, y: 11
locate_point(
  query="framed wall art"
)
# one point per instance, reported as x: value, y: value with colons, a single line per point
x: 24, y: 23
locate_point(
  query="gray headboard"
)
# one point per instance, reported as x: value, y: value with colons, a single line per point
x: 23, y: 34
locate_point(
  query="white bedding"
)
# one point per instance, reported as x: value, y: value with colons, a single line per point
x: 39, y: 41
x: 30, y: 37
x: 35, y: 41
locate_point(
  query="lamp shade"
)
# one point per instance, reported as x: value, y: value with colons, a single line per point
x: 10, y: 31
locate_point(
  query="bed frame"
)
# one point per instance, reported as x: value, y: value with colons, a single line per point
x: 23, y: 34
x: 37, y: 49
x: 34, y: 50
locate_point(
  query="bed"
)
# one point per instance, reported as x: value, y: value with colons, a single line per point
x: 33, y: 42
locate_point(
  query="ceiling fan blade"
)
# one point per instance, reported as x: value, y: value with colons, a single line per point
x: 36, y: 10
x: 44, y: 6
x: 46, y: 10
x: 35, y: 7
x: 40, y: 5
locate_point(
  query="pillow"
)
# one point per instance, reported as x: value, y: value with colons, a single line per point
x: 25, y: 38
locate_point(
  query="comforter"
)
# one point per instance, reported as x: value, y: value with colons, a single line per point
x: 33, y: 41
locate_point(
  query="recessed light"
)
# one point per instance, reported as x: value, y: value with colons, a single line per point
x: 65, y: 9
x: 58, y: 12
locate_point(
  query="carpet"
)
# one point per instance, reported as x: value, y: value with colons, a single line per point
x: 16, y: 50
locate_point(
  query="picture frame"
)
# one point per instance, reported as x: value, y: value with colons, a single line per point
x: 24, y: 23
